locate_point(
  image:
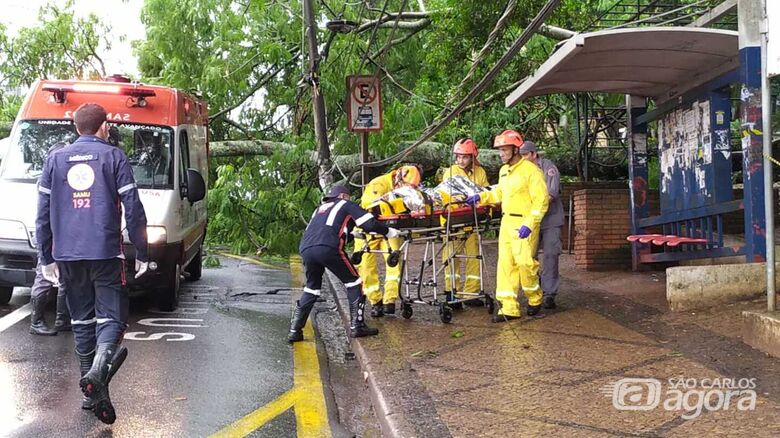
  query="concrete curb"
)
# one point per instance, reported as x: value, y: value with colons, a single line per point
x: 697, y: 287
x: 391, y: 423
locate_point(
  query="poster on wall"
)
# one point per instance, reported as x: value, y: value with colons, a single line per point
x: 773, y: 48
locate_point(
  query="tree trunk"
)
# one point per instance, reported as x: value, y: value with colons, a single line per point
x: 429, y: 155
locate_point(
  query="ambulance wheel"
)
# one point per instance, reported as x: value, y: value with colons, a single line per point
x: 195, y: 268
x: 445, y: 313
x: 490, y: 304
x: 5, y: 295
x: 392, y: 259
x: 168, y: 294
x: 406, y: 310
x: 356, y: 257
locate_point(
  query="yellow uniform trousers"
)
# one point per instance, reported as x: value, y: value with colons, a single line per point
x: 469, y: 282
x: 370, y: 274
x: 516, y: 267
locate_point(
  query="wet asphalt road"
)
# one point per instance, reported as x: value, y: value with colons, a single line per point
x: 189, y: 373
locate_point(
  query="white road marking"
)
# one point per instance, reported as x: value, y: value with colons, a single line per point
x: 15, y: 316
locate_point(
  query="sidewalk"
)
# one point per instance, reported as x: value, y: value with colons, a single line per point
x: 547, y: 375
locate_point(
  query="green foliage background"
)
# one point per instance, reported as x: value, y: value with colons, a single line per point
x: 248, y: 60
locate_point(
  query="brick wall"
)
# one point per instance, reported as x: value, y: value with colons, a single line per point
x: 602, y: 221
x: 568, y: 189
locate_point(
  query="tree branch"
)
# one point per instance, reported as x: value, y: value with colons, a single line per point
x: 238, y: 126
x: 401, y: 40
x: 399, y: 86
x: 266, y: 77
x: 497, y: 95
x: 384, y: 21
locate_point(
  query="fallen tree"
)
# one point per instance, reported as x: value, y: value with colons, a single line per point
x: 430, y: 156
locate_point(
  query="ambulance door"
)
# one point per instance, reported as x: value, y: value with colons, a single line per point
x: 188, y: 215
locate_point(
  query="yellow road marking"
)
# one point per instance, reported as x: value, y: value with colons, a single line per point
x: 253, y: 421
x: 306, y: 396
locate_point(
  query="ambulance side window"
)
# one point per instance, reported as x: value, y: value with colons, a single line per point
x: 184, y: 158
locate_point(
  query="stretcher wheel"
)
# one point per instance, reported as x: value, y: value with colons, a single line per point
x: 490, y: 304
x: 356, y: 258
x: 406, y: 310
x: 392, y: 259
x: 445, y: 313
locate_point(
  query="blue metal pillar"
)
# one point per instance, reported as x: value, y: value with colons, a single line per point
x: 749, y: 17
x: 637, y: 172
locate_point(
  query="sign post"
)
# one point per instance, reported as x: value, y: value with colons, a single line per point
x: 770, y: 66
x: 364, y: 113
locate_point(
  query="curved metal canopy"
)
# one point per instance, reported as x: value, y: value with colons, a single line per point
x: 657, y: 62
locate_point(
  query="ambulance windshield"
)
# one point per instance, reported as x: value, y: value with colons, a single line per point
x: 147, y: 147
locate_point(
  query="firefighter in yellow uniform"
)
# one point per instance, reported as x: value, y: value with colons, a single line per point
x: 383, y: 299
x: 522, y: 192
x: 466, y: 165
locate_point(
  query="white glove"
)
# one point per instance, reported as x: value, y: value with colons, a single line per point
x: 52, y: 273
x: 392, y: 232
x: 140, y: 268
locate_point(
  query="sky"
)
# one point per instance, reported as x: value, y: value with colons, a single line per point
x: 122, y: 16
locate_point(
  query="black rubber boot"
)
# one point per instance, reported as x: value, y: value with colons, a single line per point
x: 85, y: 364
x: 357, y: 326
x: 549, y: 302
x: 377, y: 310
x: 454, y: 305
x: 389, y: 309
x: 94, y: 384
x: 504, y: 318
x: 533, y: 310
x: 37, y: 322
x: 476, y: 302
x: 62, y: 322
x: 298, y: 320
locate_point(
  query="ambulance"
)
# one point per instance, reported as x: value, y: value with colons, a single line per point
x: 163, y: 131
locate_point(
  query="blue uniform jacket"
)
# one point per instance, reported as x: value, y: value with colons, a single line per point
x: 332, y: 222
x: 79, y: 211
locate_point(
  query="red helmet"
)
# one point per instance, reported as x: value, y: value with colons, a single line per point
x: 508, y: 138
x: 465, y: 146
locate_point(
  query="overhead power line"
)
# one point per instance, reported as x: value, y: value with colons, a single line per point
x: 521, y: 41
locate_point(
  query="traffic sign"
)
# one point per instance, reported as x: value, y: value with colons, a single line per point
x: 364, y: 103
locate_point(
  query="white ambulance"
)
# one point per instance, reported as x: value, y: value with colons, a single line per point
x: 163, y: 131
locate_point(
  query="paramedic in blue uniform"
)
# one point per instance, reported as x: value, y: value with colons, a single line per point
x: 39, y: 294
x: 322, y: 246
x: 80, y: 246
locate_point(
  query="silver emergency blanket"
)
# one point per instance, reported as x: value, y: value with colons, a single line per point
x: 458, y: 187
x: 414, y: 200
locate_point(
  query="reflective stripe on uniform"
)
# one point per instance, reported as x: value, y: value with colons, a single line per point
x: 312, y: 291
x: 353, y: 283
x: 333, y: 212
x: 126, y: 188
x: 44, y: 190
x: 103, y: 320
x: 536, y: 212
x: 505, y: 294
x: 473, y: 277
x: 531, y: 288
x: 392, y: 278
x: 371, y: 288
x: 84, y: 322
x: 363, y: 219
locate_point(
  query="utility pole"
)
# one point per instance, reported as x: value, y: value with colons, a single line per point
x: 320, y: 122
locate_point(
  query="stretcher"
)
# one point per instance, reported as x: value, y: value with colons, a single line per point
x: 435, y: 228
